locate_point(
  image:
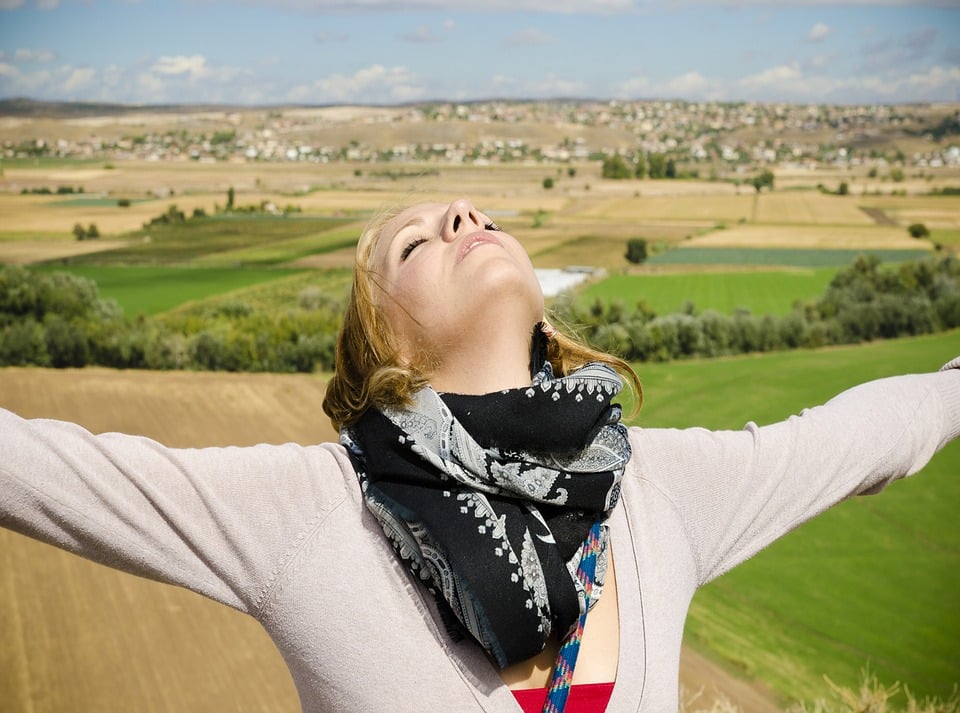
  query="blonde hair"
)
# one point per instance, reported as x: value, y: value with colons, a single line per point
x: 368, y: 369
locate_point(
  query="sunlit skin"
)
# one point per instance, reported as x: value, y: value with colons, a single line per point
x: 457, y: 286
x: 461, y: 290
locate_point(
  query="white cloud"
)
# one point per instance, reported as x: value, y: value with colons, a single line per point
x: 194, y: 66
x: 10, y: 4
x: 549, y: 86
x: 806, y: 3
x: 634, y: 88
x: 322, y: 38
x: 77, y: 78
x: 376, y: 84
x: 530, y: 37
x: 586, y: 7
x: 819, y: 32
x: 28, y: 55
x: 422, y: 35
x: 8, y: 70
x: 591, y: 7
x: 691, y: 84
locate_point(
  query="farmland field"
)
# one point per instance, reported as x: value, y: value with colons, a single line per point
x: 150, y: 290
x: 761, y: 292
x: 782, y: 257
x: 873, y: 582
x: 807, y: 607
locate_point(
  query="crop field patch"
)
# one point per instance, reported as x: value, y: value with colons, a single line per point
x: 784, y: 257
x: 808, y: 208
x: 151, y: 290
x: 180, y: 243
x: 809, y: 236
x: 762, y: 292
x: 27, y: 252
x: 710, y: 208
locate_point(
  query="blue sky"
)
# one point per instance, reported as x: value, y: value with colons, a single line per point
x: 392, y: 51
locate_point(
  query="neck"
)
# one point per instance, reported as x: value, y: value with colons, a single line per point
x: 484, y: 365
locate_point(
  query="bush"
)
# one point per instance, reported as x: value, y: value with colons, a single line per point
x: 548, y: 183
x: 636, y: 250
x: 918, y: 230
x: 616, y: 167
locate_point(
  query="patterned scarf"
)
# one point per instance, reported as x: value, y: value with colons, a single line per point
x: 488, y: 499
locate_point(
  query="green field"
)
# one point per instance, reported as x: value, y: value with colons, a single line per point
x: 771, y: 292
x: 227, y: 236
x: 151, y: 290
x: 788, y: 257
x: 873, y: 582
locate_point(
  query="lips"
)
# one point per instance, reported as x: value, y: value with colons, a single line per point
x: 469, y: 242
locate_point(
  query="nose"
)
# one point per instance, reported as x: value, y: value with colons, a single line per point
x: 461, y: 216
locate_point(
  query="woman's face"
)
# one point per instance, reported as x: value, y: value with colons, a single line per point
x: 449, y: 272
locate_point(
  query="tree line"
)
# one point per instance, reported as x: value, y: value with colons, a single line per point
x: 863, y: 302
x: 60, y: 320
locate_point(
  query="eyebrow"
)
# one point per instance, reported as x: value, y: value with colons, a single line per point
x: 416, y: 220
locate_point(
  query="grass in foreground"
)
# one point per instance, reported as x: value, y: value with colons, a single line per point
x: 873, y: 582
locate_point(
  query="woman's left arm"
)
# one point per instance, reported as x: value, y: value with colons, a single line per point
x: 737, y: 491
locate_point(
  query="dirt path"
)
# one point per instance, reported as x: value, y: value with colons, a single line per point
x: 78, y: 637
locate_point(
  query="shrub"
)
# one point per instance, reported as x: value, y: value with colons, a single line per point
x: 918, y: 230
x: 636, y: 250
x: 616, y: 167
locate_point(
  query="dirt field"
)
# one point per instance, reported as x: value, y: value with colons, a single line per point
x: 76, y: 637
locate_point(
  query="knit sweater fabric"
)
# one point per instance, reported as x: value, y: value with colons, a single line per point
x: 282, y: 534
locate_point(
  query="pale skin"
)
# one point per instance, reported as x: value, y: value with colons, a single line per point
x: 462, y: 290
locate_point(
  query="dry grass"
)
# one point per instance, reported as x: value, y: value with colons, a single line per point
x: 26, y: 252
x: 822, y: 237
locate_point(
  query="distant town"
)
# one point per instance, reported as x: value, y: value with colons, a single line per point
x: 703, y: 139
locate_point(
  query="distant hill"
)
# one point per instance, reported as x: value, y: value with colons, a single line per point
x: 21, y: 107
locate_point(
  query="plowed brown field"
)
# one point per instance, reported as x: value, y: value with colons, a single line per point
x: 76, y: 637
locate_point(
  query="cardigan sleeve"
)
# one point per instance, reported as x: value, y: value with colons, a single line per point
x: 219, y: 521
x: 737, y: 491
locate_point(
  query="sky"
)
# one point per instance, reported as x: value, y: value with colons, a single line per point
x: 257, y: 52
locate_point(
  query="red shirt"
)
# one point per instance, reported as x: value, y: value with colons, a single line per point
x: 583, y: 698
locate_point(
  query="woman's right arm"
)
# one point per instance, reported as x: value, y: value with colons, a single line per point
x: 219, y: 521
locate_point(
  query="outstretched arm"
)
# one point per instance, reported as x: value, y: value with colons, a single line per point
x: 738, y: 491
x: 218, y: 521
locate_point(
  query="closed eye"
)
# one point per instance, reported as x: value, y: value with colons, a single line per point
x: 411, y: 246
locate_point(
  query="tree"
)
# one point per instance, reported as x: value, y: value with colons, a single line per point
x: 93, y: 232
x: 764, y: 179
x: 640, y: 168
x: 636, y: 250
x: 548, y: 183
x: 615, y: 167
x: 843, y: 189
x: 230, y: 197
x: 79, y: 232
x: 918, y: 230
x: 657, y: 165
x: 671, y: 169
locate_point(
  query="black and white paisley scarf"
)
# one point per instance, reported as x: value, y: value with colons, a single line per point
x: 487, y: 499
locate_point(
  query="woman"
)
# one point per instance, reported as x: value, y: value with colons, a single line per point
x: 499, y: 496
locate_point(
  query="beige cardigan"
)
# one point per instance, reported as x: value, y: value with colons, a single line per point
x: 281, y: 533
